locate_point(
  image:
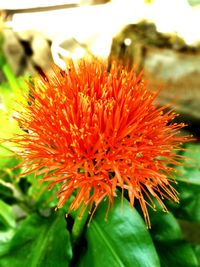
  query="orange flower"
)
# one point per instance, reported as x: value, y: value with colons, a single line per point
x: 92, y: 131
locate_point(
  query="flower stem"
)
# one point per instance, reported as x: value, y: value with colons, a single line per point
x: 79, y: 225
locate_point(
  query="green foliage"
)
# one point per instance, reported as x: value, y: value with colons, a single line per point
x: 189, y: 185
x: 6, y: 215
x: 168, y: 239
x: 197, y: 251
x: 7, y: 226
x: 179, y: 254
x: 40, y: 241
x: 122, y: 240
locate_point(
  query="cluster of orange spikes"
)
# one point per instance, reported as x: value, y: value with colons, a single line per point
x: 93, y: 130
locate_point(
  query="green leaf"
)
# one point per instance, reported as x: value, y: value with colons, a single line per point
x: 6, y: 215
x: 189, y: 186
x: 164, y: 227
x: 179, y: 254
x: 5, y: 237
x: 40, y: 241
x: 188, y: 209
x: 121, y: 241
x: 191, y: 168
x: 7, y: 226
x: 5, y: 156
x: 167, y: 236
x: 197, y: 251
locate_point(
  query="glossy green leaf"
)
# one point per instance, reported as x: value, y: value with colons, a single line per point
x: 5, y: 238
x: 167, y: 236
x: 179, y: 254
x: 7, y: 226
x: 189, y: 186
x: 191, y: 168
x: 164, y: 227
x: 197, y: 251
x: 40, y: 241
x: 6, y: 214
x: 188, y: 209
x: 120, y: 241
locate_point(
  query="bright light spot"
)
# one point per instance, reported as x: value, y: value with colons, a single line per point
x: 102, y: 46
x: 2, y: 107
x: 78, y: 53
x: 127, y: 41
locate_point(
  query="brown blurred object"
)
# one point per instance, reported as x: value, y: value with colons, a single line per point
x: 2, y: 19
x: 11, y: 7
x: 26, y: 52
x: 168, y: 63
x: 94, y: 2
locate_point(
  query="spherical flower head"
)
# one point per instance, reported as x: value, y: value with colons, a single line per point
x: 94, y: 130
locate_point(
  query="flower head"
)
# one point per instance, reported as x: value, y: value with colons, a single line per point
x: 93, y: 130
